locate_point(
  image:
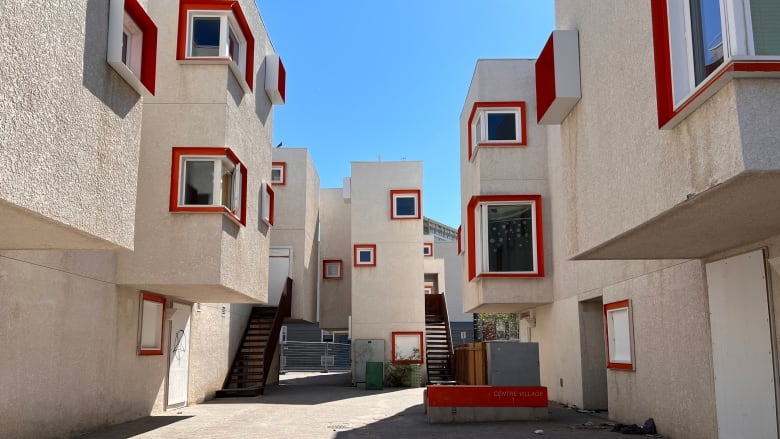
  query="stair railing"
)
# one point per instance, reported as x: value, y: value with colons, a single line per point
x: 282, y: 311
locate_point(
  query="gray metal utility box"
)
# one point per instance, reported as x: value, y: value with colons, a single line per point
x: 512, y: 363
x: 363, y: 351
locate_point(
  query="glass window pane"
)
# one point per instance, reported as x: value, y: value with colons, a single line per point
x: 766, y: 26
x: 501, y: 126
x: 332, y: 269
x: 620, y: 336
x: 364, y: 256
x: 478, y: 129
x: 406, y: 206
x: 233, y: 46
x: 276, y: 175
x: 707, y: 37
x: 199, y: 182
x: 510, y: 239
x: 205, y: 36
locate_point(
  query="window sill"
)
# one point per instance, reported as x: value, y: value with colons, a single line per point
x: 130, y: 78
x: 509, y: 275
x: 738, y: 67
x: 209, y: 209
x: 216, y: 60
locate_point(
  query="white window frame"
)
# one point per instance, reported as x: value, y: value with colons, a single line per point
x: 151, y: 319
x: 738, y: 44
x: 395, y: 195
x: 127, y: 59
x: 220, y: 163
x: 267, y: 200
x: 282, y: 172
x: 324, y: 333
x: 227, y: 25
x: 133, y: 48
x: 481, y: 128
x: 619, y: 327
x: 359, y: 248
x: 483, y: 244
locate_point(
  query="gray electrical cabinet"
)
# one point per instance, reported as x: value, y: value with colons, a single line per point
x: 512, y: 363
x: 365, y: 351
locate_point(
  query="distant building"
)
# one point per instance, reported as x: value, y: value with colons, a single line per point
x: 440, y: 232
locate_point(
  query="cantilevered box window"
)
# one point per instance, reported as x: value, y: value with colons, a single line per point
x: 364, y: 255
x: 505, y: 236
x: 267, y: 204
x: 208, y: 180
x: 405, y: 204
x: 150, y: 324
x: 496, y: 124
x: 132, y: 44
x: 620, y: 335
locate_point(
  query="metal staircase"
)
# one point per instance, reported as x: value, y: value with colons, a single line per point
x: 438, y: 341
x: 248, y: 374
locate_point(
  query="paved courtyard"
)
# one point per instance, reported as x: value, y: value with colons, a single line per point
x: 312, y: 405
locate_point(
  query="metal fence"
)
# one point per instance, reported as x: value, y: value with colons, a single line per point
x: 315, y: 356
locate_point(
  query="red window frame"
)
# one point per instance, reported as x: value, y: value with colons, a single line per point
x: 610, y: 307
x: 326, y: 262
x: 422, y: 347
x: 429, y: 246
x: 185, y: 6
x: 396, y: 192
x: 357, y: 248
x: 482, y: 106
x: 283, y: 166
x: 473, y: 233
x: 268, y: 213
x: 152, y: 298
x: 176, y: 156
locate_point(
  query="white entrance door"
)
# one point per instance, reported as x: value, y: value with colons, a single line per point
x: 742, y: 356
x: 278, y: 270
x: 179, y: 359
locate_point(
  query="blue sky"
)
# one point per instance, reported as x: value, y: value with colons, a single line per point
x: 388, y: 78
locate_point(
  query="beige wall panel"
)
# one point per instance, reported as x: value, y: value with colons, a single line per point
x: 558, y: 333
x: 335, y: 300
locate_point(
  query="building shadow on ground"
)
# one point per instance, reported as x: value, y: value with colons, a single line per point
x: 309, y: 389
x: 133, y: 428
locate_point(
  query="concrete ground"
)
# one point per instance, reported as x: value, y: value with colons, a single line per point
x: 314, y: 405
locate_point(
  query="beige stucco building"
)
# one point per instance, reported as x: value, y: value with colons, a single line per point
x: 137, y: 158
x: 654, y: 162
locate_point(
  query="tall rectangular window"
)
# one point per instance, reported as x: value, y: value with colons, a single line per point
x: 150, y: 327
x: 619, y: 334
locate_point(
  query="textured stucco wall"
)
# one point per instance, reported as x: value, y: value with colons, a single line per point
x: 296, y: 219
x: 624, y: 170
x: 69, y: 129
x: 452, y: 275
x: 335, y: 303
x: 388, y: 297
x: 505, y: 171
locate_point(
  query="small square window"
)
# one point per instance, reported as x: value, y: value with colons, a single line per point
x: 620, y: 335
x: 150, y: 326
x: 428, y: 249
x: 428, y: 288
x: 405, y: 204
x: 209, y: 180
x: 493, y: 124
x: 327, y: 336
x: 278, y: 173
x: 331, y: 269
x: 365, y: 255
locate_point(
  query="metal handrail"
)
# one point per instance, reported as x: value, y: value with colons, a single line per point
x: 283, y: 311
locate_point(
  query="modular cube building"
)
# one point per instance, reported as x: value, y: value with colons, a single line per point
x: 661, y: 158
x: 136, y: 145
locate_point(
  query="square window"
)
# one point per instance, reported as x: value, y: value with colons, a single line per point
x: 405, y: 204
x: 217, y: 32
x: 327, y: 336
x: 278, y: 173
x: 505, y: 236
x: 365, y: 255
x: 132, y: 45
x: 331, y: 269
x: 407, y: 348
x: 208, y: 180
x: 493, y: 124
x: 428, y: 249
x: 619, y: 334
x: 150, y: 327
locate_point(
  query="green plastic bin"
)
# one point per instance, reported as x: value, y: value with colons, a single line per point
x: 375, y: 374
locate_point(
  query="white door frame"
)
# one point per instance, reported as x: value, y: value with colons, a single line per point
x: 178, y: 351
